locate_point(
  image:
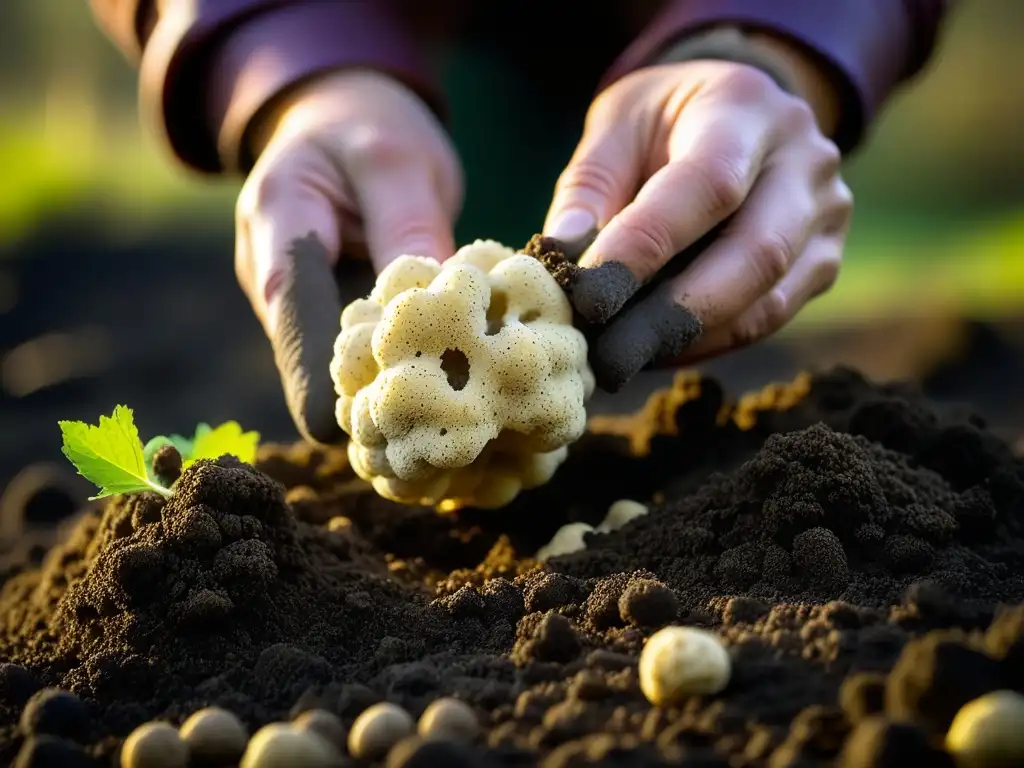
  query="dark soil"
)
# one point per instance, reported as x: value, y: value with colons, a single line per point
x: 851, y: 545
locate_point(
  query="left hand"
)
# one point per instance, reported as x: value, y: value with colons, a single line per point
x: 668, y: 154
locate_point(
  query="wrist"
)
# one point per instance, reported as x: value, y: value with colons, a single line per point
x: 795, y: 70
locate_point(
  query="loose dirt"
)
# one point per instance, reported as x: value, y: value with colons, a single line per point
x: 850, y: 544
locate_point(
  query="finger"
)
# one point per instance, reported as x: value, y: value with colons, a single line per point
x: 601, y: 177
x: 714, y: 162
x: 755, y: 251
x: 402, y: 213
x: 812, y: 275
x: 654, y: 328
x: 293, y: 243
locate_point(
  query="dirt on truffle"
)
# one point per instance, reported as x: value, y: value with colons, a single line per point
x: 857, y: 550
x: 551, y: 254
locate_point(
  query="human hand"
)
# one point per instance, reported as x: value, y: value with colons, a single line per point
x: 741, y: 213
x: 352, y: 162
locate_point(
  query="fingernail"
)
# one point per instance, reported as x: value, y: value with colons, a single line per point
x: 572, y: 224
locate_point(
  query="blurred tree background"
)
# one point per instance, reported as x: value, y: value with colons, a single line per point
x: 102, y: 236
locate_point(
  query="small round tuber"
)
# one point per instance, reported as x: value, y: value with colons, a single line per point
x: 279, y: 745
x: 567, y: 539
x: 449, y: 719
x: 214, y: 735
x: 621, y: 512
x: 154, y: 745
x: 678, y: 662
x: 377, y: 729
x: 988, y: 732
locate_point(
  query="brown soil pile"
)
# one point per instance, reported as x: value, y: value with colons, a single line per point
x: 823, y: 528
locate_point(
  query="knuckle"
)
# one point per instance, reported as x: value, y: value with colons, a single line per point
x: 723, y: 185
x: 648, y: 241
x: 748, y: 84
x: 829, y: 158
x: 772, y: 254
x: 799, y: 115
x: 366, y: 147
x: 589, y: 176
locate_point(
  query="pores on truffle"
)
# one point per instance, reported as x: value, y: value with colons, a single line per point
x: 461, y: 382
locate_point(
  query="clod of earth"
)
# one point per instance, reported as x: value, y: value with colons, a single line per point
x: 461, y: 383
x: 858, y: 553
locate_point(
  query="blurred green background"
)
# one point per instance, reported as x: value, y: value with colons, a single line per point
x: 939, y: 188
x: 116, y: 276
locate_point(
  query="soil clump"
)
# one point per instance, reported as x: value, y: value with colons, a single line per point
x: 858, y: 551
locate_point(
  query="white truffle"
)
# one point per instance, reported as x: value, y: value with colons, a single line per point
x: 449, y: 719
x: 279, y: 745
x: 567, y: 539
x: 989, y: 732
x: 325, y: 724
x: 463, y: 382
x: 377, y: 730
x: 678, y: 662
x: 154, y: 745
x: 621, y: 512
x: 214, y: 735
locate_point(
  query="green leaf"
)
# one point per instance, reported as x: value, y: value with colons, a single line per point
x: 226, y: 438
x: 109, y: 455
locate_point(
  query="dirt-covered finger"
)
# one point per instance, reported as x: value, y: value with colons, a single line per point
x: 654, y: 328
x: 294, y: 249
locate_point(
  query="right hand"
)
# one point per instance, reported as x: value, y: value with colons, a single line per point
x: 351, y: 162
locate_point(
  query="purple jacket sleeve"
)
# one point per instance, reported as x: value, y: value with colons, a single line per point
x: 873, y: 45
x: 207, y: 67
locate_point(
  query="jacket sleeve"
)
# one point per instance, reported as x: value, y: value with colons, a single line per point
x: 207, y: 67
x: 872, y: 45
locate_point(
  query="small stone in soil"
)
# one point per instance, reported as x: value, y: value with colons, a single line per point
x: 51, y: 752
x: 214, y: 735
x: 154, y: 745
x: 326, y: 724
x: 989, y: 732
x: 377, y: 730
x: 279, y: 745
x: 56, y: 712
x: 449, y: 719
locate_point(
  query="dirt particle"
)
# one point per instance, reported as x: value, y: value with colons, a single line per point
x: 647, y: 603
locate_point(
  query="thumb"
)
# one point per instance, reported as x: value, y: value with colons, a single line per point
x: 598, y: 182
x: 294, y: 243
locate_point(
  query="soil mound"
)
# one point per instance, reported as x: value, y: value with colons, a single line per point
x: 851, y: 544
